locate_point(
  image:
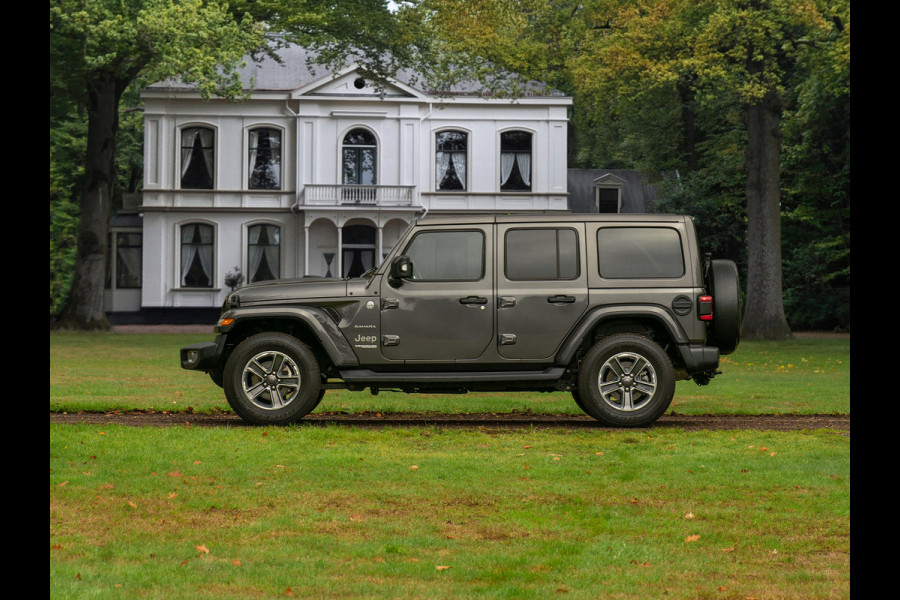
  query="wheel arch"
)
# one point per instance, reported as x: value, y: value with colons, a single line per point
x: 610, y: 320
x: 311, y: 325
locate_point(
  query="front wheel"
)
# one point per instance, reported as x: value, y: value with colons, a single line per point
x: 272, y: 379
x: 626, y: 380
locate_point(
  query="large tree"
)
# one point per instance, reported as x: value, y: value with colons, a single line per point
x: 101, y: 47
x: 663, y: 77
x: 97, y: 49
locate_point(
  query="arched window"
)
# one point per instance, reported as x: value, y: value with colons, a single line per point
x: 197, y: 158
x: 263, y: 252
x: 265, y: 159
x: 359, y: 155
x: 450, y: 160
x: 197, y: 255
x: 515, y: 161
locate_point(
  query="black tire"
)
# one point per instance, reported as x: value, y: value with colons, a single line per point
x: 626, y: 380
x: 272, y: 379
x: 725, y: 288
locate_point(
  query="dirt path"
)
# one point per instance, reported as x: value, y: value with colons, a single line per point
x: 839, y: 423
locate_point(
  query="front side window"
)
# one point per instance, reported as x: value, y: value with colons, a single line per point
x: 451, y: 148
x: 197, y: 158
x: 197, y: 255
x: 264, y: 252
x: 541, y: 254
x: 639, y: 252
x: 447, y: 256
x: 265, y: 159
x: 515, y: 161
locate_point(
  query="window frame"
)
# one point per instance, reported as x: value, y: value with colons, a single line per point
x: 248, y: 179
x: 376, y: 154
x: 464, y: 180
x: 213, y: 148
x: 180, y: 270
x: 515, y: 167
x: 248, y: 227
x: 601, y: 260
x: 558, y: 230
x: 484, y: 241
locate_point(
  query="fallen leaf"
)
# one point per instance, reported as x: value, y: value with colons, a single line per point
x: 728, y: 549
x: 442, y: 568
x: 202, y: 548
x: 174, y: 474
x: 62, y: 484
x: 132, y: 504
x: 413, y: 467
x: 689, y: 515
x: 692, y: 538
x: 236, y: 563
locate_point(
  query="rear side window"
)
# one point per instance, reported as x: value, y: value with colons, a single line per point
x: 541, y: 254
x: 447, y: 256
x: 639, y: 252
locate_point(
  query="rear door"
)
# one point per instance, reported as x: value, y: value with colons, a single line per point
x: 541, y: 287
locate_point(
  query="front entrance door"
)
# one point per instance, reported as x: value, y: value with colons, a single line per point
x: 357, y: 249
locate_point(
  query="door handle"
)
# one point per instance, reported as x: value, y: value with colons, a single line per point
x: 473, y: 300
x: 560, y: 299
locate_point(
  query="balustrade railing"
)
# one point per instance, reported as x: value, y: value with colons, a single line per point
x: 373, y: 195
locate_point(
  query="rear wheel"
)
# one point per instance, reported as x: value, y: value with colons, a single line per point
x: 626, y: 380
x: 272, y: 379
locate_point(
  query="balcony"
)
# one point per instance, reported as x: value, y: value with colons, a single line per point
x: 358, y: 195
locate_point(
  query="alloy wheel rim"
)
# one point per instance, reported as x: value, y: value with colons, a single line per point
x: 271, y: 380
x: 627, y: 381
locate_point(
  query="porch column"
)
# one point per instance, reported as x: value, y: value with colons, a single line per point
x: 340, y: 251
x: 305, y: 250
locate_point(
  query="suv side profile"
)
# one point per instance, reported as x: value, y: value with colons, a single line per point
x: 611, y: 308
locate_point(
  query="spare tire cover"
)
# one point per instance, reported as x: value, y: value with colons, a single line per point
x: 725, y: 288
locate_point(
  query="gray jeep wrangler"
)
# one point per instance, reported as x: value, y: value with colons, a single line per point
x: 612, y: 308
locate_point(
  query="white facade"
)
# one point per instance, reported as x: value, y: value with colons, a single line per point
x: 357, y: 164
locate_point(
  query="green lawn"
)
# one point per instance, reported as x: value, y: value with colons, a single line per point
x: 421, y: 512
x: 108, y: 371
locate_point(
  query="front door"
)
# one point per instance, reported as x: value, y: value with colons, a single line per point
x: 444, y: 311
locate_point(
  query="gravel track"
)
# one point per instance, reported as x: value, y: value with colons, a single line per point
x: 789, y: 422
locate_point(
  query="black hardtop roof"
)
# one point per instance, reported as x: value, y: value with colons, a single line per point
x: 470, y: 219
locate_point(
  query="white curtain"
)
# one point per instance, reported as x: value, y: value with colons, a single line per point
x: 254, y: 138
x: 270, y: 250
x: 191, y: 250
x: 442, y: 165
x: 524, y: 160
x: 507, y: 160
x: 189, y: 139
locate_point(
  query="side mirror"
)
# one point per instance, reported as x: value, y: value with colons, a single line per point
x: 401, y: 268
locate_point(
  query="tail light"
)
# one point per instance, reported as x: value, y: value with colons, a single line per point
x: 705, y: 308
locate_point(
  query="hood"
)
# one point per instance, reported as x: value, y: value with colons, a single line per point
x: 280, y: 290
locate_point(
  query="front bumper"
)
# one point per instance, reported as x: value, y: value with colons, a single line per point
x: 204, y: 356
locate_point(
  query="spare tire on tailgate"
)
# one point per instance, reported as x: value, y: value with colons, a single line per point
x: 725, y: 288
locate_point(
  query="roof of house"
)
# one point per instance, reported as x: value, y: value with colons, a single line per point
x: 638, y: 194
x: 296, y: 68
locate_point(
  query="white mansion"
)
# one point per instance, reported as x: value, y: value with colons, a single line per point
x: 317, y: 174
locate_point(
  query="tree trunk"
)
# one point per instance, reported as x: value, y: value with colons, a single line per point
x: 84, y: 305
x: 764, y: 309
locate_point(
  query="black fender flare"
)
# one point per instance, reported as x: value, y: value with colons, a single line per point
x: 603, y: 313
x: 316, y: 319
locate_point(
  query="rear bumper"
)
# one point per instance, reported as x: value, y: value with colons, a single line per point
x: 203, y: 356
x: 699, y: 359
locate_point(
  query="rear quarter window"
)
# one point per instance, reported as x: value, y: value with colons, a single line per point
x: 639, y: 253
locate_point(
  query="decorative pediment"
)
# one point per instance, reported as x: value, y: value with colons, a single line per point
x: 351, y: 82
x: 609, y: 180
